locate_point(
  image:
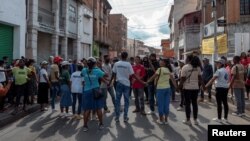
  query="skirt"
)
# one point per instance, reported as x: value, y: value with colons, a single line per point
x: 43, y: 93
x: 90, y: 103
x: 66, y: 99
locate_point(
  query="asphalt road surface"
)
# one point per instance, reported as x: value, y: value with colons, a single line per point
x: 48, y: 126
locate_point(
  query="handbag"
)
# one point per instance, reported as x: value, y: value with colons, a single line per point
x: 96, y: 92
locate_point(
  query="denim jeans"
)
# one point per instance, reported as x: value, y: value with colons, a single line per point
x: 75, y: 97
x: 54, y: 92
x: 163, y: 101
x: 151, y: 94
x: 122, y: 90
x: 139, y: 99
x: 240, y: 99
x: 105, y: 93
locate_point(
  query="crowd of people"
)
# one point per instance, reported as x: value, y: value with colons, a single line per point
x: 84, y: 85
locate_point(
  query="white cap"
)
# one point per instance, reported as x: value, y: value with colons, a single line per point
x: 44, y: 63
x: 92, y: 59
x: 64, y: 63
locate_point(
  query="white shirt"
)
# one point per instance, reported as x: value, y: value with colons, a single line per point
x: 123, y: 71
x: 76, y: 82
x: 223, y: 78
x: 2, y: 75
x: 43, y: 72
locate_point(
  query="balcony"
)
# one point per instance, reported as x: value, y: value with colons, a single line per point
x: 46, y: 18
x: 189, y: 28
x: 245, y: 18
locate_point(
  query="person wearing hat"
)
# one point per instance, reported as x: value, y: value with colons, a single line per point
x: 221, y: 79
x: 43, y: 86
x: 207, y: 74
x: 66, y: 99
x: 92, y: 74
x: 54, y: 78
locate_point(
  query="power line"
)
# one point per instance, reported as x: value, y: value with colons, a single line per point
x: 140, y: 6
x: 151, y: 1
x: 143, y: 10
x: 147, y: 27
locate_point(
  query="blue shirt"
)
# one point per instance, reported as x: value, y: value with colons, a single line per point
x: 92, y: 78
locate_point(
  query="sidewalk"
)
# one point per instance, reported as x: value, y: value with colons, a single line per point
x: 6, y: 117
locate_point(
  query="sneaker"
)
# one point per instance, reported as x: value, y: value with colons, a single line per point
x: 54, y: 111
x: 224, y: 120
x: 160, y: 122
x: 117, y: 120
x: 107, y: 111
x: 126, y: 119
x: 85, y: 128
x: 101, y: 127
x: 217, y: 120
x: 79, y: 117
x: 179, y: 108
x: 62, y: 114
x: 236, y: 114
x: 166, y: 122
x: 187, y: 122
x: 150, y: 113
x: 68, y: 115
x: 143, y: 113
x: 136, y: 111
x: 196, y: 122
x: 243, y: 115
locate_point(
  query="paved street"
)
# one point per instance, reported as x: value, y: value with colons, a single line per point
x: 49, y: 127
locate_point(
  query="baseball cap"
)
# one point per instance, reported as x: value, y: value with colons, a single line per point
x: 205, y: 59
x: 221, y: 61
x: 92, y: 59
x: 44, y: 63
x: 64, y: 63
x: 58, y: 59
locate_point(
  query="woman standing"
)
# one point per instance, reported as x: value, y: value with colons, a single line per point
x: 92, y: 75
x: 43, y: 86
x: 32, y: 83
x: 66, y: 99
x: 221, y: 86
x: 163, y: 92
x: 190, y: 82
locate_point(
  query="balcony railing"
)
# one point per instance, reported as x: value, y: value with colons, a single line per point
x: 189, y: 28
x: 245, y: 18
x: 45, y: 18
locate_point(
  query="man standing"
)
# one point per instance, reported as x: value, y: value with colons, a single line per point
x: 138, y: 88
x: 153, y: 66
x: 54, y: 78
x: 106, y: 67
x: 238, y: 85
x: 122, y: 71
x: 207, y: 75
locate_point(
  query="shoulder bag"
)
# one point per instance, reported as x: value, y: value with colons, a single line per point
x: 96, y: 92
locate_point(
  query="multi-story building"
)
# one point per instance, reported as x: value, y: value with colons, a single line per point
x: 166, y: 51
x: 118, y: 32
x: 236, y: 13
x: 12, y: 28
x: 189, y: 34
x: 102, y: 42
x: 177, y: 11
x: 59, y: 27
x: 133, y: 47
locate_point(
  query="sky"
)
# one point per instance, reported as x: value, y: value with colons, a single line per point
x: 147, y: 19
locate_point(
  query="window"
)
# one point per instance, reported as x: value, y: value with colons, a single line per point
x: 72, y: 14
x: 244, y: 7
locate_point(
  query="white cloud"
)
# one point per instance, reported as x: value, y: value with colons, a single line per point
x: 146, y: 16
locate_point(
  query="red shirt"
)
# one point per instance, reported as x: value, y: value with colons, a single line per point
x: 244, y: 62
x: 140, y: 72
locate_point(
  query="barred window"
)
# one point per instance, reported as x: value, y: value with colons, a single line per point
x: 244, y: 7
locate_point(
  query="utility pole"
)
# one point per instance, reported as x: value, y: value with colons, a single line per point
x: 215, y: 55
x: 134, y: 47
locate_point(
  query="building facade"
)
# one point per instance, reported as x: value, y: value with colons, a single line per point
x: 180, y: 8
x: 102, y: 41
x: 12, y: 28
x: 118, y: 32
x: 189, y: 34
x: 59, y: 27
x: 166, y: 51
